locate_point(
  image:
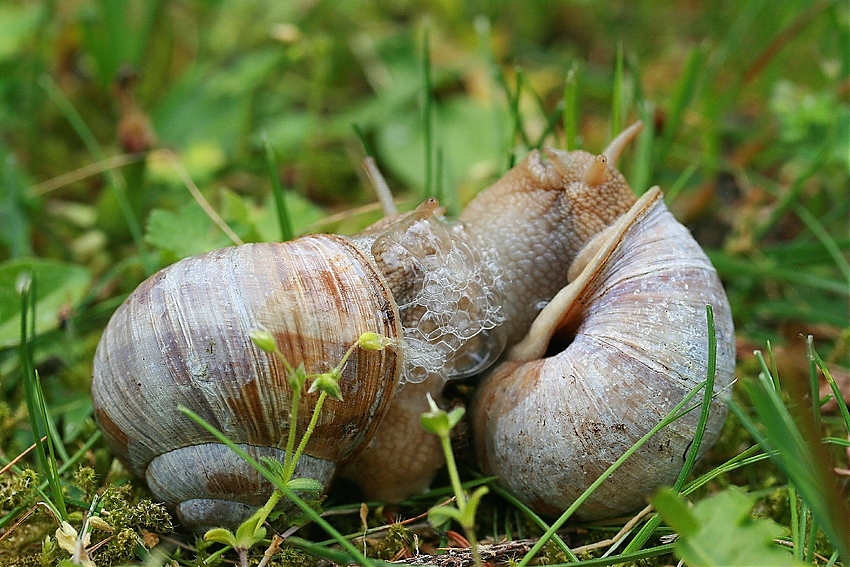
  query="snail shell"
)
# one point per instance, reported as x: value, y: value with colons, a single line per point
x: 183, y: 338
x: 604, y: 362
x: 521, y: 234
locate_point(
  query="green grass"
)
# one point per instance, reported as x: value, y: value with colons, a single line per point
x: 252, y: 105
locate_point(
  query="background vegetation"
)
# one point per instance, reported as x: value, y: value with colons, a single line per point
x: 112, y: 112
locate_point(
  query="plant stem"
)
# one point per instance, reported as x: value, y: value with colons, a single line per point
x: 289, y: 460
x: 473, y: 545
x: 453, y: 474
x: 306, y: 437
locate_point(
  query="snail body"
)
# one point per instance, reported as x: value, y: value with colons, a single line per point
x: 634, y: 324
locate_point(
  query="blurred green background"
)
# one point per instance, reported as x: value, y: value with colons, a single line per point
x: 110, y: 110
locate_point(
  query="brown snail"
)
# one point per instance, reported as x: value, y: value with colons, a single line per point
x: 182, y: 337
x: 451, y: 294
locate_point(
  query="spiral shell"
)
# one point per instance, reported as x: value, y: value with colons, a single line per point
x: 183, y: 338
x: 550, y: 421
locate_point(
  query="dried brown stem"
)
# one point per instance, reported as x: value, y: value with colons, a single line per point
x: 496, y: 554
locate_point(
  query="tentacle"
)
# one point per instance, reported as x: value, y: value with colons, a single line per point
x: 597, y: 172
x: 623, y: 139
x: 382, y: 189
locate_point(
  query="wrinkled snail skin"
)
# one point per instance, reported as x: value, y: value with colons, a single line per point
x: 548, y: 426
x: 402, y: 458
x: 450, y: 304
x: 540, y: 215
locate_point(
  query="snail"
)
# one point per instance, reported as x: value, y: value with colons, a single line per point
x: 611, y: 354
x: 450, y: 295
x: 183, y: 337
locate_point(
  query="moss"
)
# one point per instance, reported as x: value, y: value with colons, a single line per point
x: 291, y: 556
x: 120, y: 549
x: 26, y: 539
x: 397, y: 539
x: 85, y: 479
x: 18, y: 489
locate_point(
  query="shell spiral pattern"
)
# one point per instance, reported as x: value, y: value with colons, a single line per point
x: 183, y: 338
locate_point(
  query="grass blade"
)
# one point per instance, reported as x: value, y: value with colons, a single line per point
x: 790, y: 196
x: 531, y: 515
x: 796, y: 450
x: 516, y: 118
x: 570, y: 114
x: 113, y: 181
x: 680, y: 183
x: 618, y: 110
x: 839, y: 398
x: 428, y: 111
x: 641, y: 177
x: 45, y: 454
x: 283, y: 219
x: 495, y: 80
x: 729, y: 265
x: 624, y: 557
x: 690, y: 459
x: 682, y: 97
x: 826, y: 240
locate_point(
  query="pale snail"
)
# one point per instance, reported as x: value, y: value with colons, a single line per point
x: 635, y: 325
x: 452, y: 294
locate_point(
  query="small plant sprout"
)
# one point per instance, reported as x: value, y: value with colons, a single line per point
x: 440, y: 423
x: 251, y: 531
x: 264, y: 340
x: 374, y: 341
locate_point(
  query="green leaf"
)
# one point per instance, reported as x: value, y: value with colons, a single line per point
x: 719, y: 531
x: 298, y: 377
x: 15, y: 230
x: 263, y: 339
x: 374, y: 341
x: 438, y: 421
x: 675, y: 511
x: 305, y: 485
x: 472, y: 506
x: 455, y: 416
x: 275, y: 466
x: 187, y: 232
x: 469, y: 149
x: 435, y: 422
x: 221, y: 535
x: 59, y: 286
x: 442, y: 514
x: 251, y: 530
x: 327, y: 382
x: 213, y: 103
